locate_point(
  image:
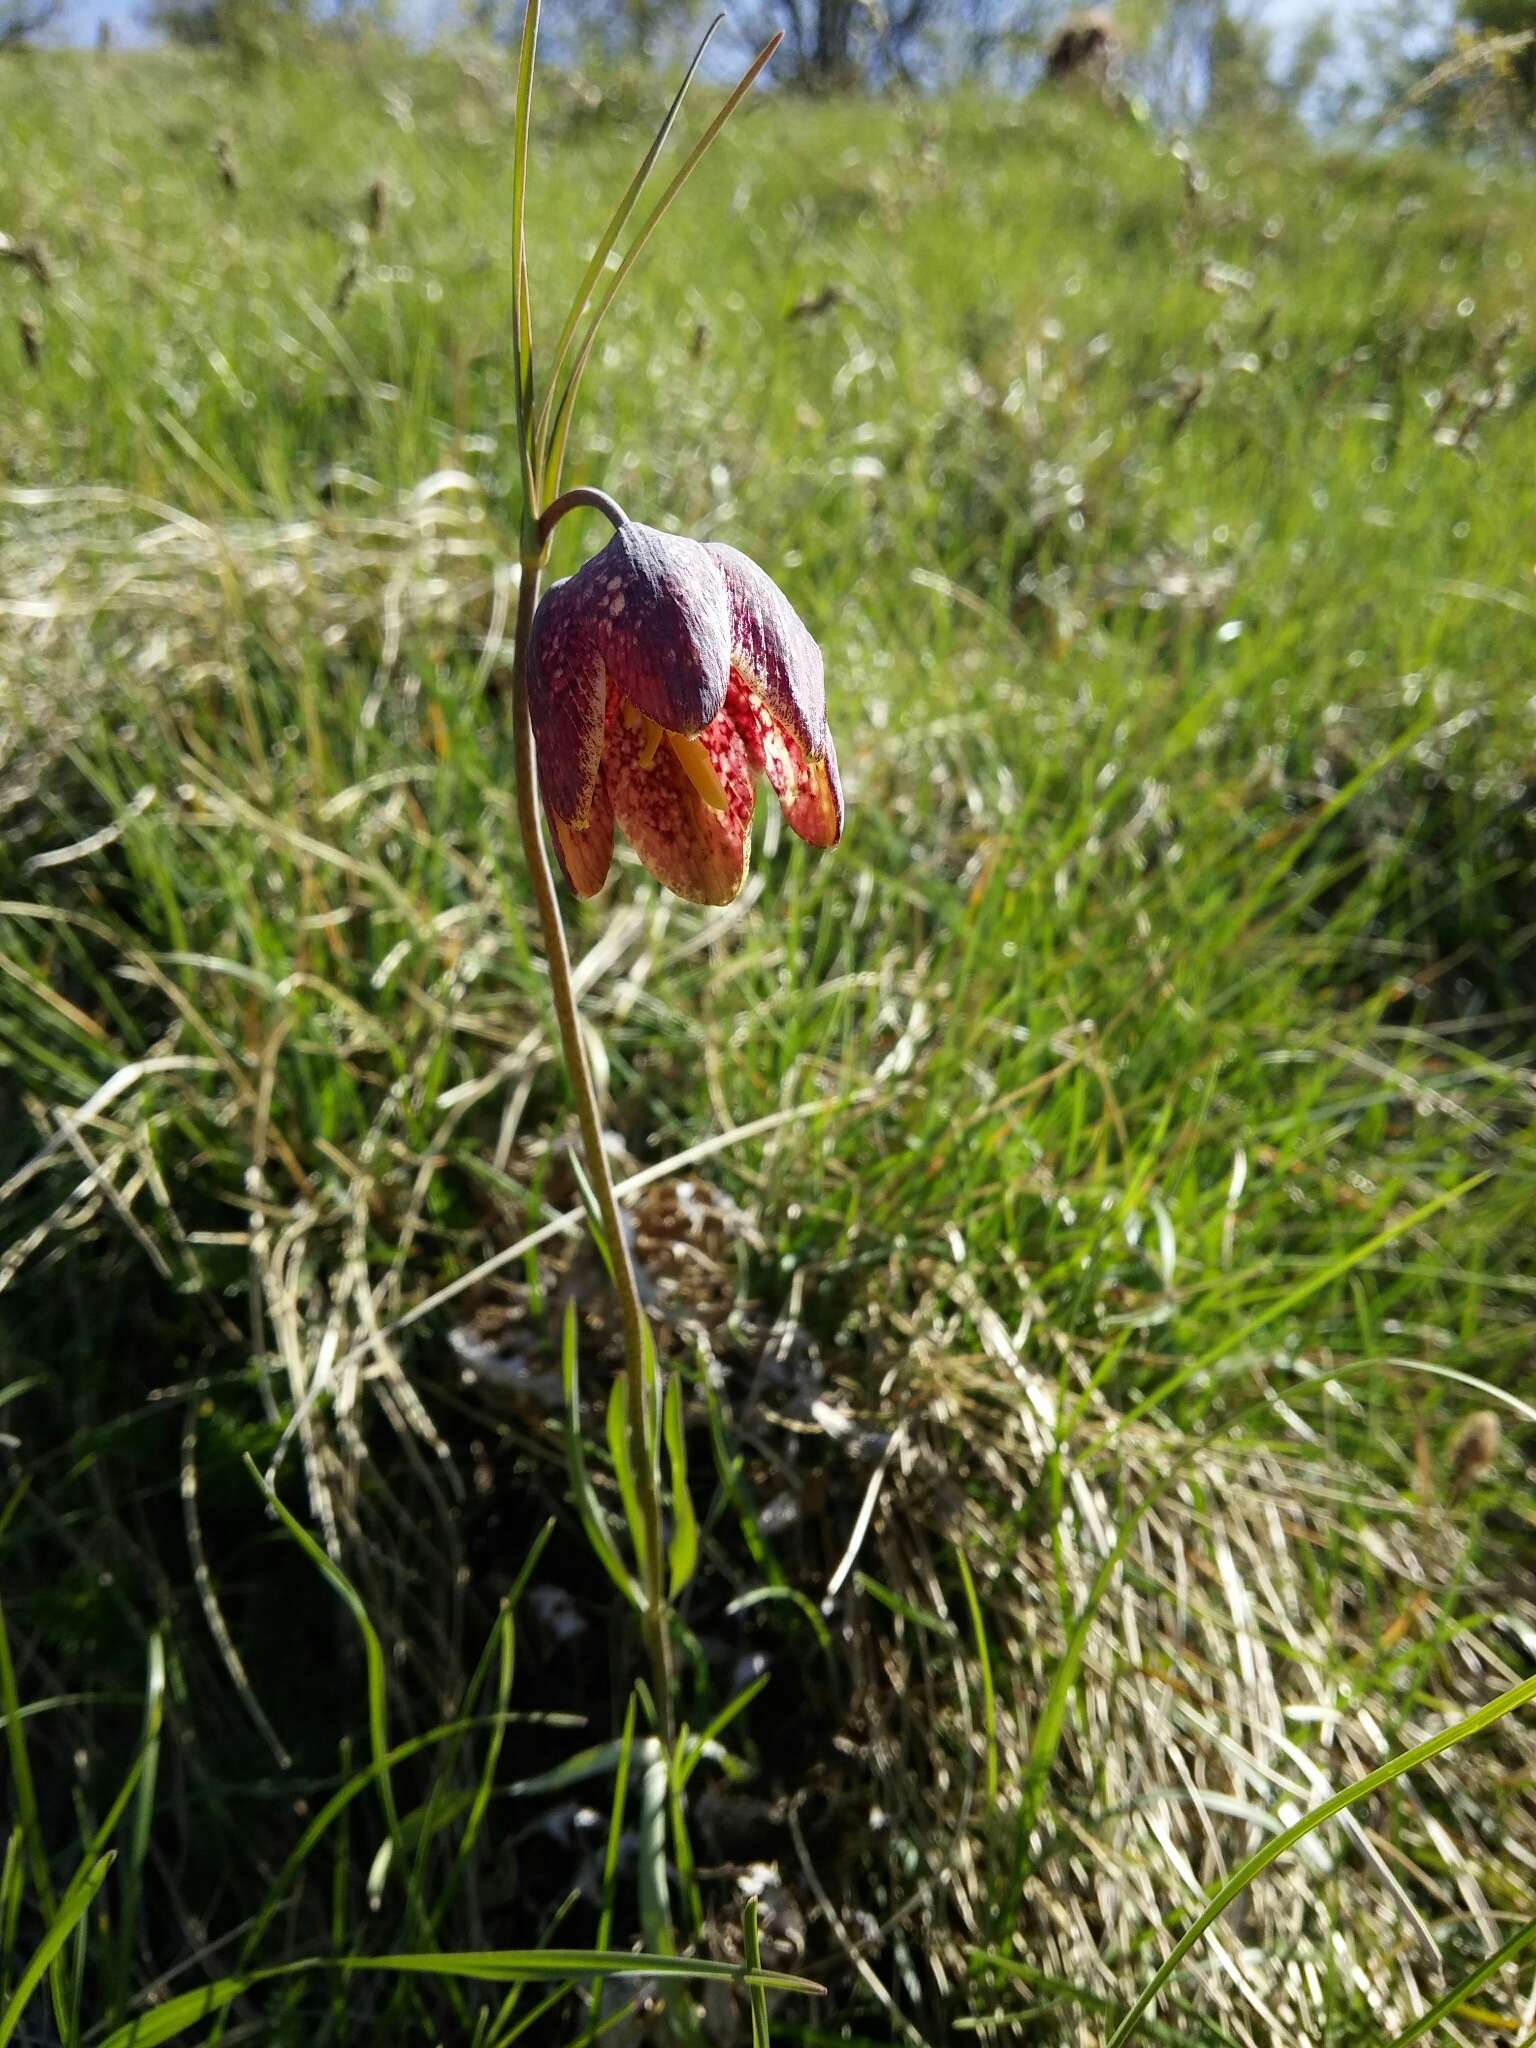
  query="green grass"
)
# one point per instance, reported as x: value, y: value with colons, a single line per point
x: 1140, y: 1098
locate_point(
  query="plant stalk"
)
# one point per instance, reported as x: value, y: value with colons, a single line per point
x: 571, y: 501
x: 643, y: 1419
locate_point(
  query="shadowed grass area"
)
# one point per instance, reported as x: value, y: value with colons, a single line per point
x: 1124, y: 1181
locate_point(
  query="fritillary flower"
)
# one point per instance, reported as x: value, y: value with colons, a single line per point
x: 666, y: 675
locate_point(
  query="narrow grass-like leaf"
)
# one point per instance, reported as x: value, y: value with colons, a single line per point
x: 560, y: 431
x: 373, y: 1653
x: 25, y: 1792
x: 700, y: 1746
x: 609, y: 2021
x: 589, y: 1508
x: 651, y: 1849
x: 984, y: 1666
x: 682, y: 1842
x: 504, y: 1634
x: 798, y: 1600
x: 61, y: 1925
x: 895, y: 1604
x: 1052, y: 1716
x: 624, y: 1471
x: 595, y: 1762
x: 13, y: 1885
x: 757, y: 1998
x: 728, y: 1465
x: 341, y: 1894
x: 611, y: 1851
x: 500, y: 1650
x: 507, y: 2026
x: 1334, y: 1269
x: 522, y: 313
x: 594, y: 1210
x: 529, y: 1565
x: 546, y: 1965
x: 607, y: 241
x: 1447, y: 2007
x: 143, y: 1817
x: 684, y: 1549
x: 485, y: 1966
x: 337, y: 1805
x: 1062, y: 1992
x: 515, y: 2028
x: 1459, y: 1731
x: 66, y: 1991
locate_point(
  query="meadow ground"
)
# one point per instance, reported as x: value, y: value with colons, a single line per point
x: 1111, y: 1241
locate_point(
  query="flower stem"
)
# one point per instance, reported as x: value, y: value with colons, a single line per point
x: 570, y: 501
x: 643, y: 1431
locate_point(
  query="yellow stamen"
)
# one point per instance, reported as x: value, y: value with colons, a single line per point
x: 699, y: 769
x: 652, y: 739
x: 630, y: 714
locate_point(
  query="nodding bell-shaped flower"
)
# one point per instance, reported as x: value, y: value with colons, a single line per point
x: 665, y: 675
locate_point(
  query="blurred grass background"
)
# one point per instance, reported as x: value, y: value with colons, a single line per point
x: 1139, y: 1099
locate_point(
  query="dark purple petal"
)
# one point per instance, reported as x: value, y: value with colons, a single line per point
x: 653, y: 606
x: 567, y: 690
x: 772, y: 651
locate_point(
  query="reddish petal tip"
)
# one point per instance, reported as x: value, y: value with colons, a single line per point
x: 585, y: 853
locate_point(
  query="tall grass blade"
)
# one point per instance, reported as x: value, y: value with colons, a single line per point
x: 13, y: 1885
x: 505, y: 1632
x: 335, y: 1807
x: 700, y: 1746
x: 1447, y: 2007
x: 692, y: 1916
x: 25, y: 1793
x: 143, y: 1818
x: 595, y: 1762
x: 589, y: 1508
x: 612, y: 1851
x: 984, y: 1666
x: 65, y: 1992
x: 1292, y: 1299
x: 373, y: 1655
x: 752, y: 1949
x: 522, y: 311
x: 1463, y: 1730
x: 484, y: 1966
x: 684, y: 1547
x: 624, y: 1471
x: 62, y: 1923
x: 651, y: 1850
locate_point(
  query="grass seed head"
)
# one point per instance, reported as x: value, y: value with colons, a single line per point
x: 224, y: 158
x: 28, y: 255
x: 1474, y: 1451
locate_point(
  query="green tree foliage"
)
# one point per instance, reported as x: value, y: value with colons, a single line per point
x: 249, y: 28
x: 1506, y: 21
x: 21, y: 20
